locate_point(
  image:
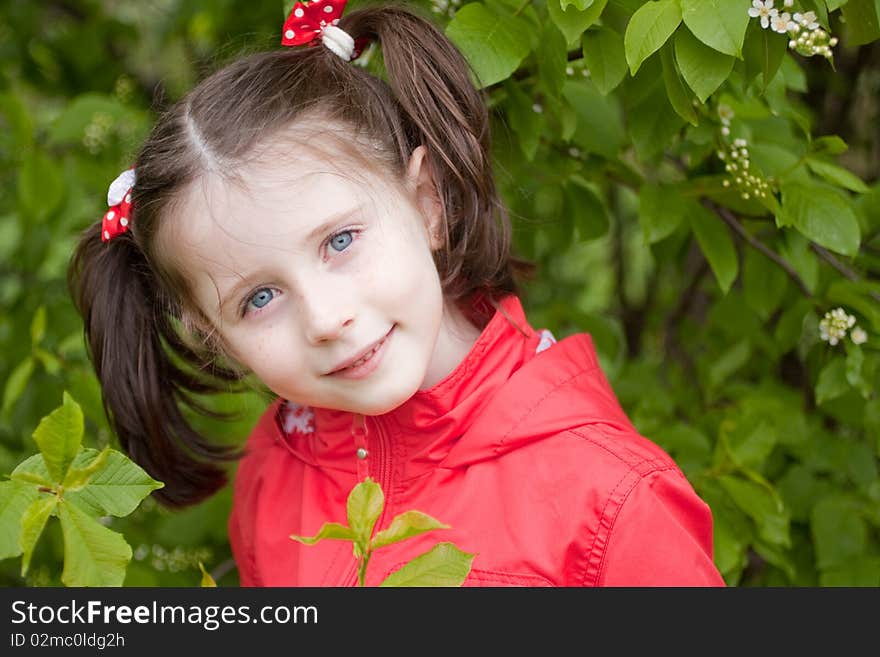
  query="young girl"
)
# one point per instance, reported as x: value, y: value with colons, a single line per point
x: 340, y: 237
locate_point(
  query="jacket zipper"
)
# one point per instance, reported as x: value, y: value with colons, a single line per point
x: 382, y: 455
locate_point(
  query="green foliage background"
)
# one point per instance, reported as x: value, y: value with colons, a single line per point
x: 609, y: 116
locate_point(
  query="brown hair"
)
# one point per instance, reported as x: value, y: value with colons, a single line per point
x: 135, y: 305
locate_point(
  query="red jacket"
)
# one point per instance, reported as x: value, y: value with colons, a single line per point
x: 523, y: 450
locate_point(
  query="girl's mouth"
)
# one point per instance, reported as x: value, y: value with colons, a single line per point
x: 367, y: 363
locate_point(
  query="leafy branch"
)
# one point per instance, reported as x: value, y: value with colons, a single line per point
x: 443, y: 565
x: 78, y: 486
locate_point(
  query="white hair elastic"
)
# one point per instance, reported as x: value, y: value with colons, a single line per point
x: 339, y: 41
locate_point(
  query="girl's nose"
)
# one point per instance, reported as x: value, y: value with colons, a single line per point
x: 326, y: 317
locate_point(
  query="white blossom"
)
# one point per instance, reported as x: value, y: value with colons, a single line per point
x: 780, y: 22
x: 858, y: 335
x: 833, y: 327
x: 763, y: 9
x: 807, y: 19
x: 788, y: 3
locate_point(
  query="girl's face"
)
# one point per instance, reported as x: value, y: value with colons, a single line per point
x: 302, y: 269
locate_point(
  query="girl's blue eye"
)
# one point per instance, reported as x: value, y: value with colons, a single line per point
x: 340, y: 241
x: 262, y: 297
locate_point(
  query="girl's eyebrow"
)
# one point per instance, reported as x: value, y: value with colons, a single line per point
x: 315, y: 233
x: 318, y: 231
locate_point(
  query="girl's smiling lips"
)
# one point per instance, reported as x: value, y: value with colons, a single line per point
x: 372, y: 353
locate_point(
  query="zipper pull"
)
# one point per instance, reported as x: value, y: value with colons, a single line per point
x: 361, y: 453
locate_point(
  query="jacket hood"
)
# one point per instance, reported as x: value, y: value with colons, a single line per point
x: 515, y: 386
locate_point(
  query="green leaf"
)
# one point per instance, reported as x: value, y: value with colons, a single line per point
x: 599, y: 123
x: 527, y: 124
x: 19, y: 124
x: 760, y: 504
x: 795, y: 248
x: 605, y: 58
x: 720, y: 24
x: 823, y: 215
x: 862, y: 21
x: 364, y: 506
x: 764, y: 283
x: 93, y: 554
x: 332, y: 530
x: 40, y: 186
x: 717, y: 245
x: 587, y: 210
x: 872, y: 421
x: 862, y: 466
x: 830, y: 144
x: 775, y: 160
x: 832, y: 381
x: 685, y: 440
x: 750, y: 440
x: 648, y: 29
x: 15, y: 498
x: 59, y: 436
x: 38, y: 326
x: 492, y: 43
x: 790, y: 325
x: 703, y: 68
x: 801, y: 488
x: 33, y: 471
x: 839, y: 532
x: 653, y: 124
x: 763, y: 52
x: 78, y: 477
x: 443, y: 565
x: 572, y: 22
x: 661, y: 210
x: 580, y: 4
x: 32, y: 523
x: 855, y: 358
x: 406, y: 525
x: 777, y: 557
x: 552, y: 59
x: 113, y: 484
x: 71, y: 124
x: 679, y: 95
x: 856, y: 295
x: 16, y: 383
x: 860, y: 571
x: 729, y: 362
x: 838, y: 175
x: 729, y: 541
x: 49, y: 361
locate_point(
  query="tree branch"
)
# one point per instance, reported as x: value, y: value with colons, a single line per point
x: 737, y: 227
x: 828, y: 257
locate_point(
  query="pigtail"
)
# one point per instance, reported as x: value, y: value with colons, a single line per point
x: 440, y: 107
x: 130, y: 337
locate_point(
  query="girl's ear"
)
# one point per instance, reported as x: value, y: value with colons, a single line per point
x: 420, y: 180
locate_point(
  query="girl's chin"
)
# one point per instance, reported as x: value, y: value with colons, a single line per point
x: 379, y: 404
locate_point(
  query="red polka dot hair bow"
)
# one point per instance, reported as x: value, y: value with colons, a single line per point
x: 117, y: 218
x: 318, y: 19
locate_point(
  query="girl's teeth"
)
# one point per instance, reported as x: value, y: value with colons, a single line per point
x: 362, y: 360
